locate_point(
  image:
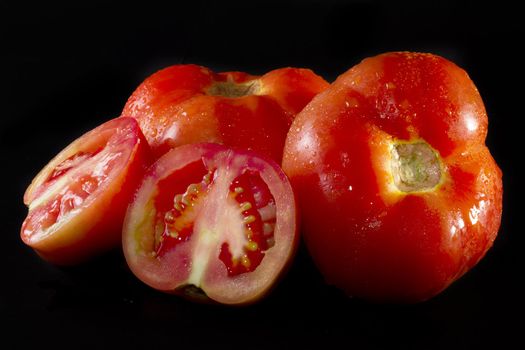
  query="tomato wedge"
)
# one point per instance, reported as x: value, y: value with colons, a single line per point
x: 213, y: 223
x: 78, y: 201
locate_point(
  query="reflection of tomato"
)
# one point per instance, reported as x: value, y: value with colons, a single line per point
x: 185, y: 104
x: 78, y: 201
x: 213, y: 223
x: 398, y: 192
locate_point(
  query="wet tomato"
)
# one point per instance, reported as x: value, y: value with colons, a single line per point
x: 398, y: 192
x: 211, y: 223
x: 185, y: 104
x: 78, y: 201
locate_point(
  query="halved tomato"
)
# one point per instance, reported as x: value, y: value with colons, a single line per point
x: 213, y: 223
x: 78, y: 201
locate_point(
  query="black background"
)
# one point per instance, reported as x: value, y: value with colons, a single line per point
x: 66, y: 69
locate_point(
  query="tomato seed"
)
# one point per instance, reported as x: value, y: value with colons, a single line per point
x: 245, y: 206
x: 193, y: 189
x: 249, y: 219
x: 245, y: 261
x: 207, y: 178
x: 268, y: 228
x: 169, y: 218
x: 177, y: 199
x: 252, y: 246
x: 186, y: 200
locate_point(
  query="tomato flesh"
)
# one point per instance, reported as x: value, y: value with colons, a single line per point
x: 211, y: 220
x: 69, y: 164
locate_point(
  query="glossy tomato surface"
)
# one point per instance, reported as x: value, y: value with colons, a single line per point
x: 209, y: 222
x: 185, y: 104
x: 398, y: 192
x: 78, y: 200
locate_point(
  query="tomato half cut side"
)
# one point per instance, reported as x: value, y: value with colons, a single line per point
x: 210, y: 222
x: 78, y: 200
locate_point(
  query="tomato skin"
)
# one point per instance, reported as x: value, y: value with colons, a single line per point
x: 365, y: 236
x: 97, y: 225
x: 173, y: 270
x: 178, y: 105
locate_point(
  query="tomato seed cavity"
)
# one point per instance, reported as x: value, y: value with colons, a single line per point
x: 177, y: 209
x: 70, y: 163
x: 176, y: 225
x: 257, y: 207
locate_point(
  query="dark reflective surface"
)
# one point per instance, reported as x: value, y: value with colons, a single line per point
x: 67, y: 69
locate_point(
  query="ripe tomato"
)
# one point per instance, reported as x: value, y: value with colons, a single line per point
x: 211, y: 222
x: 78, y: 201
x: 185, y: 104
x: 398, y: 192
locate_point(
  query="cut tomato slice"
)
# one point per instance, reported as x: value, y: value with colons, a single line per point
x: 213, y: 222
x: 78, y: 201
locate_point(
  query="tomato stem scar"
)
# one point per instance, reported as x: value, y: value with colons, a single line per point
x: 232, y: 89
x: 415, y: 166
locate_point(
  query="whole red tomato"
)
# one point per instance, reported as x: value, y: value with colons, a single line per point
x: 398, y: 192
x: 78, y: 201
x: 212, y: 223
x: 185, y: 104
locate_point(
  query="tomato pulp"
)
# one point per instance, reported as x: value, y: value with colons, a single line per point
x: 398, y: 192
x: 185, y: 104
x: 78, y: 201
x: 213, y: 223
